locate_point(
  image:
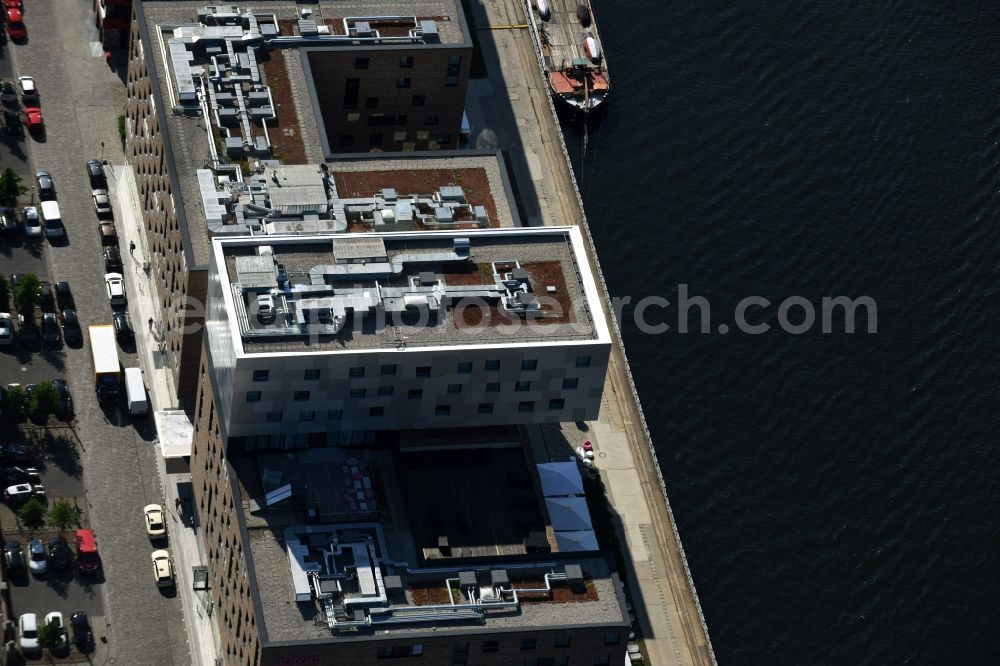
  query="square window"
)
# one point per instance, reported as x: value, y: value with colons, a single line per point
x: 461, y: 648
x: 493, y: 387
x: 385, y: 390
x: 529, y: 364
x: 583, y: 361
x: 273, y: 416
x: 522, y: 386
x: 357, y: 393
x: 361, y: 63
x: 442, y: 410
x: 403, y: 82
x: 345, y: 141
x: 612, y: 638
x: 560, y: 661
x: 424, y: 371
x: 491, y: 646
x: 307, y: 416
x: 415, y: 394
x: 371, y: 102
x: 356, y: 371
x: 464, y: 368
x: 399, y: 136
x: 570, y: 382
x: 335, y: 414
x: 311, y: 374
x: 300, y: 396
x: 418, y: 100
x: 602, y: 660
x: 388, y: 370
x: 493, y: 365
x: 529, y: 643
x: 431, y: 119
x: 253, y: 396
x: 454, y: 388
x: 563, y: 641
x: 376, y: 411
x: 406, y: 62
x: 375, y: 140
x: 526, y: 406
x: 260, y: 375
x: 556, y: 404
x: 485, y: 408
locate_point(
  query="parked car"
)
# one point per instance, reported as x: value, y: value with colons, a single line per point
x: 115, y: 285
x: 102, y: 204
x: 8, y: 222
x: 83, y: 635
x: 95, y: 172
x: 46, y: 188
x: 123, y: 329
x: 15, y: 24
x: 56, y: 618
x: 28, y: 332
x: 163, y: 573
x: 64, y: 296
x: 37, y: 562
x: 112, y: 260
x: 6, y: 329
x: 156, y: 528
x: 13, y: 557
x: 12, y: 121
x: 50, y: 327
x: 87, y: 558
x: 8, y: 95
x: 58, y: 553
x: 72, y: 333
x: 265, y: 308
x: 29, y: 91
x: 14, y: 452
x: 64, y: 405
x: 32, y: 222
x: 109, y: 235
x: 34, y: 120
x: 27, y: 626
x: 18, y: 493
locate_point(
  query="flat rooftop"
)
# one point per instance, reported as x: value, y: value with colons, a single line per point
x: 325, y: 571
x: 408, y: 290
x: 261, y: 111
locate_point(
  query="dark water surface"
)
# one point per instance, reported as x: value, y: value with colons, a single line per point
x: 838, y: 495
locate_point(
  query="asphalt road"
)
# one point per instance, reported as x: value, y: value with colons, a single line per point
x: 81, y: 99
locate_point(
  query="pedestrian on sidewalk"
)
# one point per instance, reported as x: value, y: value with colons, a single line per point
x: 151, y: 328
x: 131, y: 248
x: 177, y: 504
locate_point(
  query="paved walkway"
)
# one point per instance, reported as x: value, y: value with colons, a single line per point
x: 186, y: 546
x: 664, y: 599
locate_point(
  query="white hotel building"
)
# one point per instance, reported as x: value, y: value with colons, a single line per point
x: 407, y: 330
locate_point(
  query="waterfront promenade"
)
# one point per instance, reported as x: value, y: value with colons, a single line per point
x: 511, y: 111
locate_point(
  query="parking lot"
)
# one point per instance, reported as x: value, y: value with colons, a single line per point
x: 103, y: 462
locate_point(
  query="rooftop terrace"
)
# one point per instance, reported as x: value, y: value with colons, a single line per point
x: 403, y: 290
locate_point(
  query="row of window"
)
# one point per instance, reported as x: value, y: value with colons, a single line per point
x: 391, y: 369
x: 462, y: 651
x: 352, y: 86
x: 405, y: 62
x: 305, y: 416
x: 568, y: 384
x: 416, y: 100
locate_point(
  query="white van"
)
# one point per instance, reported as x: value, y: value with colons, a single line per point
x: 52, y: 219
x: 135, y: 392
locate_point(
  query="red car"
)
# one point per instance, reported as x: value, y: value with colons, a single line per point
x: 15, y: 25
x: 13, y: 4
x: 34, y: 118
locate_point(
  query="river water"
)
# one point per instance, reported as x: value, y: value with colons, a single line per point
x: 837, y: 494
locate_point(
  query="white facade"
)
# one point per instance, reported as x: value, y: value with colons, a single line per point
x: 295, y: 393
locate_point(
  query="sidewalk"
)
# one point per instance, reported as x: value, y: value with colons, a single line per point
x: 185, y: 542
